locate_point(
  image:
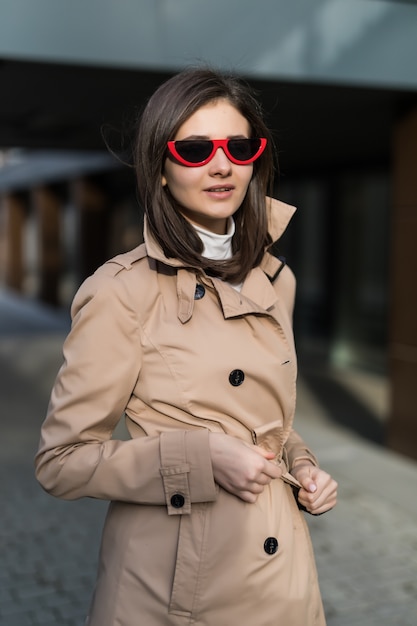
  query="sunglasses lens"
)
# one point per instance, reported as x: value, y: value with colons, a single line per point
x: 243, y: 149
x: 194, y: 151
x: 199, y: 151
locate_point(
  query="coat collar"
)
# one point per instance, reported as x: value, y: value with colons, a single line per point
x: 279, y: 215
x: 257, y: 294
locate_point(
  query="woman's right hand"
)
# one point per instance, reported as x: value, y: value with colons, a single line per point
x: 240, y: 468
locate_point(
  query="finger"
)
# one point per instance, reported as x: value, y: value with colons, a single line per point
x: 320, y: 484
x: 318, y: 508
x: 258, y: 485
x: 264, y: 479
x: 323, y: 502
x: 263, y: 467
x: 321, y: 510
x: 320, y: 495
x: 248, y: 496
x: 256, y: 488
x: 321, y: 507
x: 272, y: 470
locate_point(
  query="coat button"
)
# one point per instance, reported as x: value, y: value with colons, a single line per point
x: 236, y: 378
x: 199, y: 292
x: 177, y: 501
x: 271, y: 545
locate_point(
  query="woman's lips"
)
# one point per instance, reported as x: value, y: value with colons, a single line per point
x: 220, y: 191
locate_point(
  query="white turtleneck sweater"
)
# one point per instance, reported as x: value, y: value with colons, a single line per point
x: 218, y: 247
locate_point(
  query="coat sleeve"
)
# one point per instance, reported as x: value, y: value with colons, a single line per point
x: 297, y: 450
x: 77, y: 456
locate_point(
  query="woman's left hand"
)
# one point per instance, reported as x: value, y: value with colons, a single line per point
x: 318, y: 491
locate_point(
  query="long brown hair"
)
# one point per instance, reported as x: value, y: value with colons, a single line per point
x: 169, y: 107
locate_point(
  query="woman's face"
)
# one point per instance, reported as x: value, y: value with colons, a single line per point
x: 208, y: 195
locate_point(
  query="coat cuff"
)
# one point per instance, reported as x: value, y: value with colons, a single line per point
x: 296, y: 450
x: 186, y: 469
x: 307, y: 456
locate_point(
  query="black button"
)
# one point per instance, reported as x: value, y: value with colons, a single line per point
x: 199, y: 292
x: 236, y: 378
x: 177, y: 501
x: 271, y: 545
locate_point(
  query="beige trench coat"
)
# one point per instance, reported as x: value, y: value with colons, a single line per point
x: 180, y: 363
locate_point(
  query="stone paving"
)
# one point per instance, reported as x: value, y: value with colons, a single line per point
x: 366, y: 549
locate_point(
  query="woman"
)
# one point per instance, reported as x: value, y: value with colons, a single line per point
x: 189, y: 336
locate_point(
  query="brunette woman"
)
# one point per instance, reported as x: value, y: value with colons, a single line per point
x: 189, y: 336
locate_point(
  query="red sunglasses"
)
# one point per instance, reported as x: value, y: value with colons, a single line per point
x: 197, y: 152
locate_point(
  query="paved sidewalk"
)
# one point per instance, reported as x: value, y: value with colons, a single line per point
x: 366, y: 548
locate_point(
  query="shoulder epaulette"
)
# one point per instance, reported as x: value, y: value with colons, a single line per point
x: 127, y: 259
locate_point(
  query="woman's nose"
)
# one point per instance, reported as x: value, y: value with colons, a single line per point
x: 220, y: 163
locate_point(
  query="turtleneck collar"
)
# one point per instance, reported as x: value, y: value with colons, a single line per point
x: 216, y: 247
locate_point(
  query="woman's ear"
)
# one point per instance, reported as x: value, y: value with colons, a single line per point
x: 164, y: 181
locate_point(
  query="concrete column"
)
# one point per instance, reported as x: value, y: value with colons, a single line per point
x: 402, y: 427
x: 14, y: 210
x: 93, y: 206
x: 47, y: 206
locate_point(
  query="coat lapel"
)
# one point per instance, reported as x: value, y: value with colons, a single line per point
x: 257, y: 295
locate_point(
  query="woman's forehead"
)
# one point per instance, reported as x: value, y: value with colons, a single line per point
x: 216, y: 120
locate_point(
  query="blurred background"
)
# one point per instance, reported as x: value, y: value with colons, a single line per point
x: 338, y: 83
